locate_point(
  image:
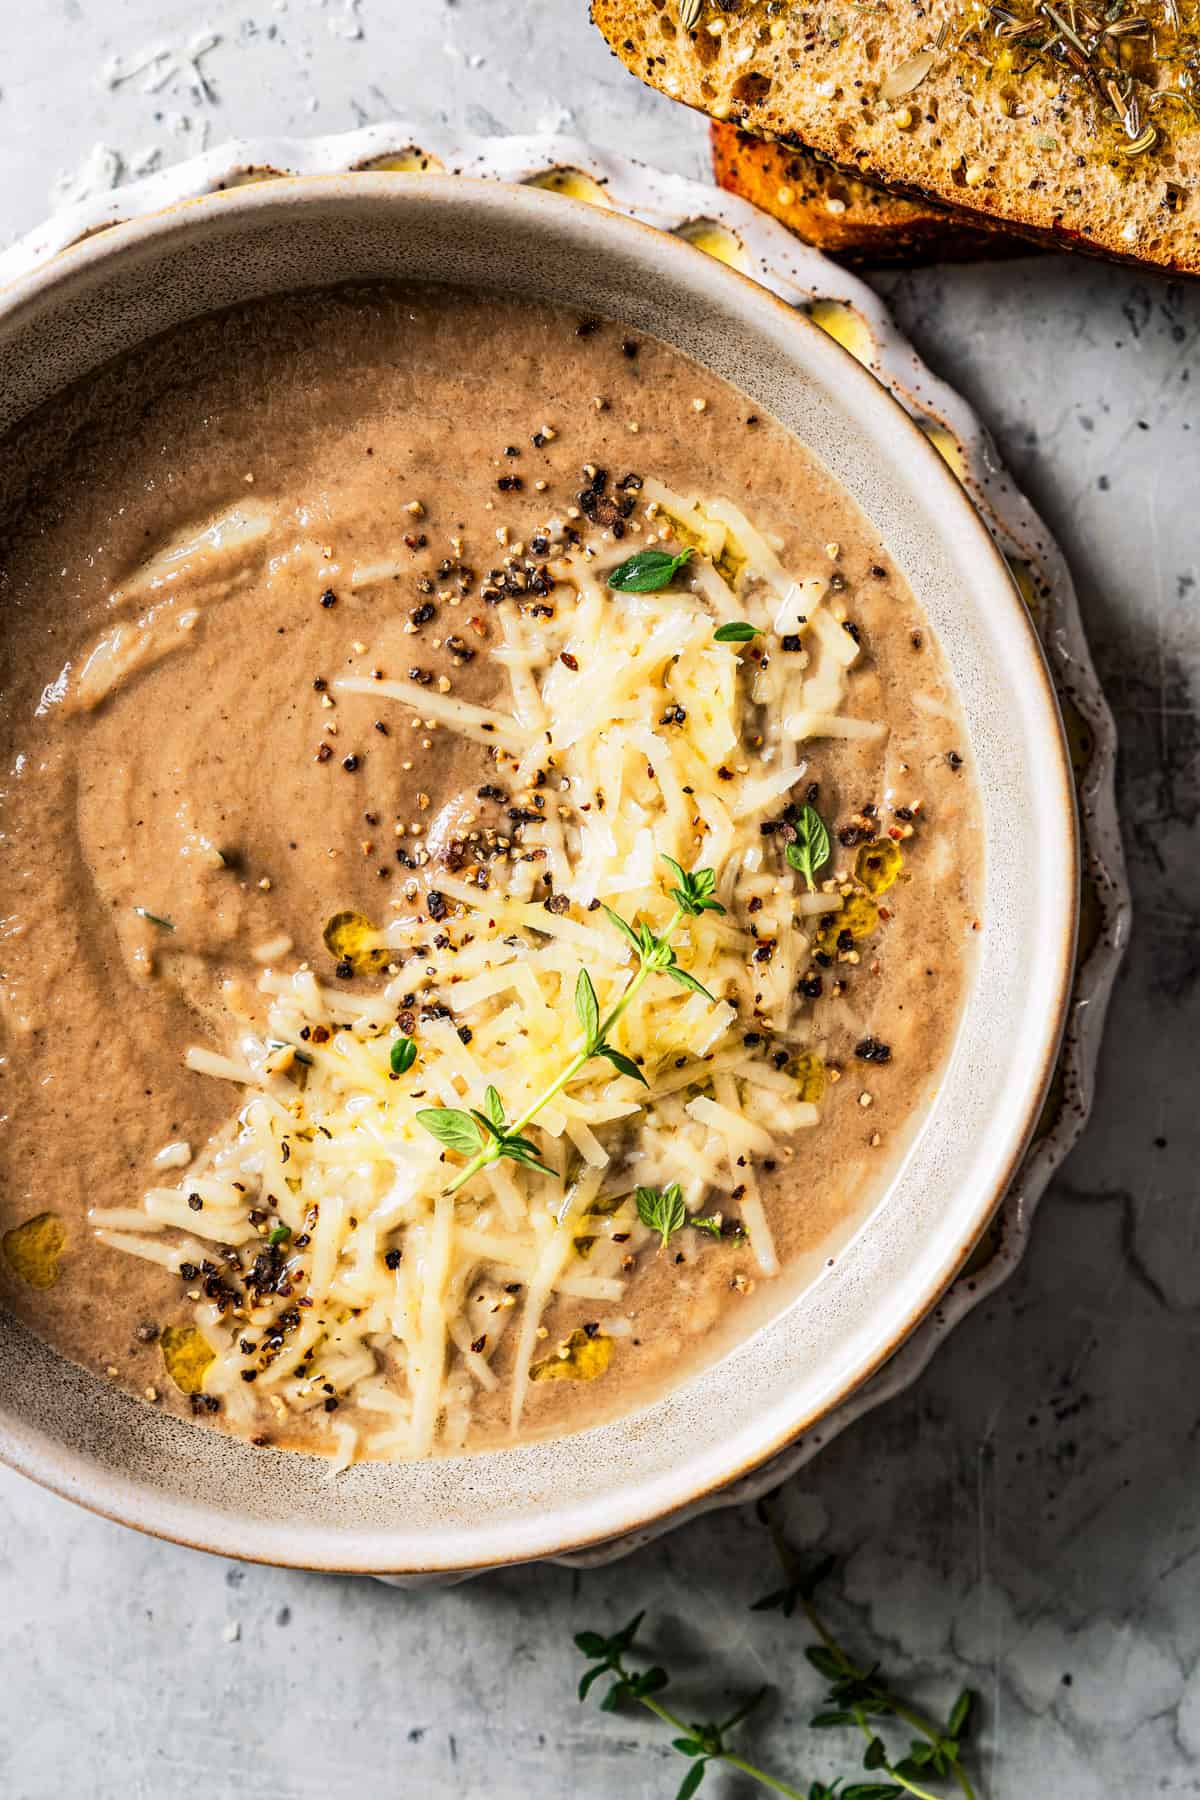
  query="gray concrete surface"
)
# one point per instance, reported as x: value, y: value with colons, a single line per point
x: 1026, y: 1518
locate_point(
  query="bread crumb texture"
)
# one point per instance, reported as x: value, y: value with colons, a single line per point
x: 1079, y: 126
x: 854, y: 220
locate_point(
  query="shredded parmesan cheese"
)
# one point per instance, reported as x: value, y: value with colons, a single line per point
x: 361, y: 1283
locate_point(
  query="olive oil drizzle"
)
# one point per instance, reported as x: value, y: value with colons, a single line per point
x: 1131, y: 59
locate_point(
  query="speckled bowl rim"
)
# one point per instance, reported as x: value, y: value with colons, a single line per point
x: 76, y: 265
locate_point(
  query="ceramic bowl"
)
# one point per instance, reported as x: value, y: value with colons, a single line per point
x: 87, y: 1440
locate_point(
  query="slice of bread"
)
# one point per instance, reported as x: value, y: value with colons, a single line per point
x: 850, y: 219
x: 1069, y: 120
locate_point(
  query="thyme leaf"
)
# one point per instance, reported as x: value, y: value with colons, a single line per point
x: 695, y: 890
x: 403, y: 1055
x: 688, y: 981
x: 647, y: 571
x: 624, y: 1063
x: 587, y: 1009
x: 811, y: 849
x: 521, y: 1150
x: 664, y: 1213
x: 738, y: 631
x: 621, y: 926
x: 494, y: 1106
x: 456, y: 1130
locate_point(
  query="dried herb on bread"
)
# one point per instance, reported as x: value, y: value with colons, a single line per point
x: 1079, y: 124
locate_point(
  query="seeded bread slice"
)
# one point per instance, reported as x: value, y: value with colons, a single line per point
x: 851, y: 220
x: 1068, y: 120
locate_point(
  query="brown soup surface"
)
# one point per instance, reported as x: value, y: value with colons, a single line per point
x: 432, y: 488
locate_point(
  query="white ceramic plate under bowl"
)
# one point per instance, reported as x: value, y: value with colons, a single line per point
x: 84, y: 1438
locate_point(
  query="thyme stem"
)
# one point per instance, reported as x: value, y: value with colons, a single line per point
x: 909, y: 1787
x: 899, y: 1707
x: 760, y: 1775
x: 494, y: 1149
x: 776, y: 1785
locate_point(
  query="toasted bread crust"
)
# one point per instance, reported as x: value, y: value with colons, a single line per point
x: 811, y: 84
x: 847, y: 218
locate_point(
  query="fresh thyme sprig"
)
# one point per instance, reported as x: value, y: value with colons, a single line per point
x: 858, y: 1695
x: 693, y: 896
x: 701, y: 1743
x: 857, y: 1698
x: 485, y: 1137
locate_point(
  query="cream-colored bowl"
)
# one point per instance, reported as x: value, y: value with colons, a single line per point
x: 91, y: 1442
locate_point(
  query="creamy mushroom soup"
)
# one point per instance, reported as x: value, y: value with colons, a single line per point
x: 491, y: 863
